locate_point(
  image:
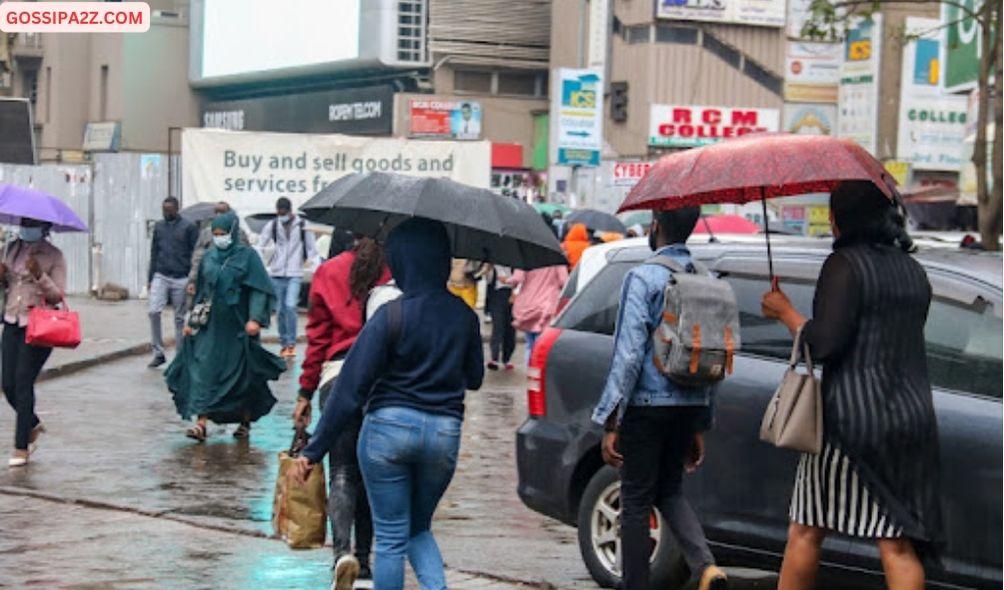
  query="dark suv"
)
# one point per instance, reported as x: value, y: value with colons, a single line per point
x: 743, y: 489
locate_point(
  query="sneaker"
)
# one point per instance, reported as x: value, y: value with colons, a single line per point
x: 346, y: 572
x: 493, y: 366
x: 288, y: 352
x: 510, y: 367
x: 713, y: 578
x: 365, y: 573
x: 17, y: 461
x: 157, y: 361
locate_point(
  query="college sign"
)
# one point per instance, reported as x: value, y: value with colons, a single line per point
x: 693, y: 126
x: 960, y: 46
x: 577, y: 116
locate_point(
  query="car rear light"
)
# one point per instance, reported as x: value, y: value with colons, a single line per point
x: 536, y: 373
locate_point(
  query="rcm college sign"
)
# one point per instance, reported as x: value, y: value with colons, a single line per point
x: 693, y: 126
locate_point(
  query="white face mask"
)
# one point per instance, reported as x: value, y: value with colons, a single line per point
x: 223, y: 242
x: 284, y: 218
x: 30, y: 234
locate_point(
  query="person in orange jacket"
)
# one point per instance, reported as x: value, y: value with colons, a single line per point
x: 575, y: 243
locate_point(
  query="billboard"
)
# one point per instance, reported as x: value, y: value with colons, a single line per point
x: 960, y: 46
x: 932, y: 124
x: 17, y: 137
x: 576, y: 116
x: 858, y: 95
x: 251, y: 170
x: 766, y: 13
x: 693, y: 126
x: 810, y: 118
x: 448, y: 119
x: 812, y: 71
x: 300, y: 38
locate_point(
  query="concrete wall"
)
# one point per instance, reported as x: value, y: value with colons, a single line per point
x: 569, y: 25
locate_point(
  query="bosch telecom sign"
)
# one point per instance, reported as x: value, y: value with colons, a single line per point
x: 693, y: 126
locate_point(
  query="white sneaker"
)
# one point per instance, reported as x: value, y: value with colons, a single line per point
x: 346, y: 572
x: 19, y: 462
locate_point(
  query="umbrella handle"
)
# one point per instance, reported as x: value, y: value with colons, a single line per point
x: 766, y: 231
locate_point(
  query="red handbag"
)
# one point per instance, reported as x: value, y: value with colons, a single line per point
x: 58, y: 328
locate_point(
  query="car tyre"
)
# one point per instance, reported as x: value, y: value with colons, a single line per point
x: 599, y: 537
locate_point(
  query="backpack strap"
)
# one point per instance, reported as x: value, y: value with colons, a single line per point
x: 673, y: 265
x: 303, y: 238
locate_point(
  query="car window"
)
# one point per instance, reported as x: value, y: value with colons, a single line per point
x: 595, y: 308
x: 964, y: 347
x: 762, y: 336
x: 571, y: 285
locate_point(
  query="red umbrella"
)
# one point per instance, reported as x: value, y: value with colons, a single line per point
x: 755, y: 167
x: 725, y: 224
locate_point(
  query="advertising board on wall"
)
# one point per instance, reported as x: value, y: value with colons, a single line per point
x: 767, y: 13
x: 810, y: 118
x: 357, y: 111
x: 859, y: 82
x: 251, y: 170
x: 576, y: 116
x: 932, y: 124
x: 692, y: 126
x: 812, y: 71
x: 629, y: 173
x: 960, y: 46
x: 449, y: 119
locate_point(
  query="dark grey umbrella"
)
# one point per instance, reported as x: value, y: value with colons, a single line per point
x: 482, y: 225
x: 595, y: 220
x: 199, y: 212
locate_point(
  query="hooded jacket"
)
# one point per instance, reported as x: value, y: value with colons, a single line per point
x: 436, y: 356
x: 576, y: 243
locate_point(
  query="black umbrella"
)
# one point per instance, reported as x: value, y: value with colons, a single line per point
x: 595, y: 220
x: 482, y: 225
x: 199, y: 212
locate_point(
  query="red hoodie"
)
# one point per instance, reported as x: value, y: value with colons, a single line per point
x: 334, y: 319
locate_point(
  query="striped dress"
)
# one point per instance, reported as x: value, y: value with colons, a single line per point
x: 877, y: 476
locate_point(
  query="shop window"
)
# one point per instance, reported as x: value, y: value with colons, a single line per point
x: 468, y: 81
x: 517, y: 83
x: 637, y: 34
x: 680, y: 35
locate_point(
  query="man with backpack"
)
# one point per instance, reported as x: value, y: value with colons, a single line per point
x: 293, y: 246
x: 676, y: 331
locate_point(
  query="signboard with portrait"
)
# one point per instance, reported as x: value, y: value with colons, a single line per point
x: 693, y: 126
x: 577, y: 116
x: 932, y: 124
x: 812, y: 72
x: 448, y: 119
x: 859, y: 83
x: 765, y: 13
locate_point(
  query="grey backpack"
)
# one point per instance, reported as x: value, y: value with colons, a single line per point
x: 698, y: 334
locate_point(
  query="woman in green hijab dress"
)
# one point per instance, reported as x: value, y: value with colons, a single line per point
x: 222, y: 371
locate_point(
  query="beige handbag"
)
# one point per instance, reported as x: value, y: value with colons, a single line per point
x: 794, y: 416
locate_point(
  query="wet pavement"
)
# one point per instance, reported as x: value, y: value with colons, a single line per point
x: 117, y: 497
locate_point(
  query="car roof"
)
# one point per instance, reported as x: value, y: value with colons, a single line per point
x: 983, y: 266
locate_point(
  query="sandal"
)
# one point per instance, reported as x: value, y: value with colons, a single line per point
x: 197, y: 432
x: 243, y: 431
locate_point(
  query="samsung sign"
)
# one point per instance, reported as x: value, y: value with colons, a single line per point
x: 356, y: 111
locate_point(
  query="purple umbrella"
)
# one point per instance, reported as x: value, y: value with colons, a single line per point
x: 17, y: 202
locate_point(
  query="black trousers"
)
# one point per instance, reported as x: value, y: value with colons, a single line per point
x: 503, y: 342
x: 347, y: 501
x: 654, y: 443
x: 21, y: 366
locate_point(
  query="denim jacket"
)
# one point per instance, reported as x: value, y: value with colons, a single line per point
x: 634, y: 379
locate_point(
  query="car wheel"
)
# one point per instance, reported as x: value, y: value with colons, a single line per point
x: 600, y: 539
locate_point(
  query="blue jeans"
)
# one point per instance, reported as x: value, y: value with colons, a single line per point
x: 407, y: 458
x: 287, y: 291
x: 531, y: 341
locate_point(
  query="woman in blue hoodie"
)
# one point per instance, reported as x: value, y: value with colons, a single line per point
x: 409, y: 368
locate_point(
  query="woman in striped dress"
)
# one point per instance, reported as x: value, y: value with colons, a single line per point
x: 877, y: 475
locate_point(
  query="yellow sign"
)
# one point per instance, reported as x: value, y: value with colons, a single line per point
x: 860, y: 50
x: 819, y: 215
x: 899, y: 170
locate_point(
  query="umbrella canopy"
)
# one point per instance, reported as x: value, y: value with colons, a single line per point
x: 725, y: 224
x: 755, y: 167
x: 18, y: 202
x: 481, y: 224
x: 596, y: 221
x: 199, y: 212
x: 550, y: 208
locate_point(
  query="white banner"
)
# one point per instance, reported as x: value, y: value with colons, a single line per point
x: 767, y: 13
x: 859, y: 83
x: 812, y: 71
x: 251, y: 170
x: 693, y: 126
x: 932, y: 124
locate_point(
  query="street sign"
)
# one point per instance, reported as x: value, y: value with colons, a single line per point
x: 577, y: 116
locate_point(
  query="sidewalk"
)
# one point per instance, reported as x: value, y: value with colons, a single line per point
x: 116, y: 329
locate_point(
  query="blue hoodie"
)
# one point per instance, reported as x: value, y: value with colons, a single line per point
x: 438, y: 353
